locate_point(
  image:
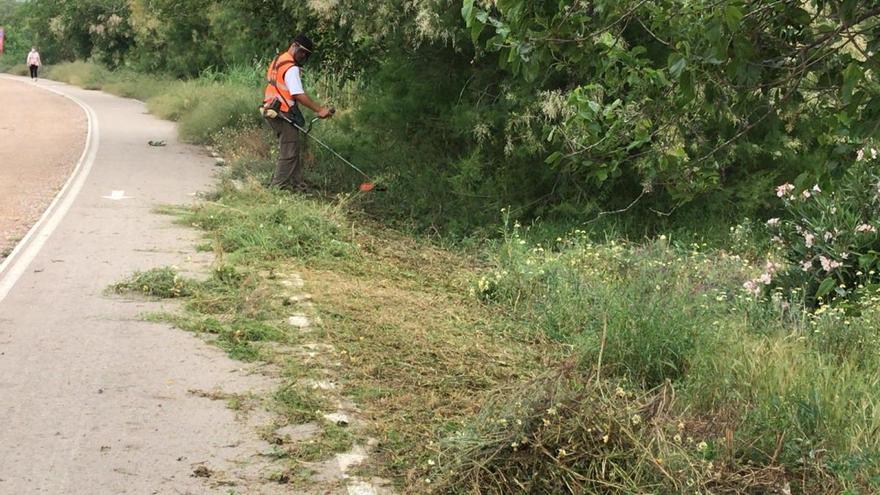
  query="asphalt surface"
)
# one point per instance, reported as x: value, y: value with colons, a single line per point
x: 41, y: 136
x: 93, y: 400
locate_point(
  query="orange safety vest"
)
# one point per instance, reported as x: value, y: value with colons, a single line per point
x: 276, y: 88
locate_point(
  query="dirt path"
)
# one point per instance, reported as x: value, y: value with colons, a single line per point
x: 93, y: 399
x: 41, y: 138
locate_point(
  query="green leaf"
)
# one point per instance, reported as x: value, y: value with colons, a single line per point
x: 732, y: 17
x: 531, y: 71
x: 553, y: 158
x: 476, y: 30
x: 800, y: 16
x: 676, y: 64
x: 467, y: 12
x: 851, y: 77
x: 512, y: 9
x: 825, y: 287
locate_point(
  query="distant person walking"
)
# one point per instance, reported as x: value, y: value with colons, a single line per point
x: 34, y: 63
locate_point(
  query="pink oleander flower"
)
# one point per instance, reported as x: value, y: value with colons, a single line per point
x: 752, y: 287
x: 866, y: 227
x: 784, y: 189
x: 816, y: 189
x: 809, y: 239
x: 765, y: 278
x: 828, y: 264
x: 771, y: 267
x: 860, y: 155
x: 807, y: 265
x: 773, y: 222
x: 828, y: 236
x: 806, y: 194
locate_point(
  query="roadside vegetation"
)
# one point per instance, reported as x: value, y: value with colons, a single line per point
x: 639, y: 261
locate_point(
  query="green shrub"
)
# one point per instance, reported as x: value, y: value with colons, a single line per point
x: 181, y: 98
x: 204, y: 108
x: 84, y: 74
x: 130, y: 84
x: 234, y: 108
x: 831, y: 240
x: 15, y: 69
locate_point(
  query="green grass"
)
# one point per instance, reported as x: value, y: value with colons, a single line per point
x: 783, y: 387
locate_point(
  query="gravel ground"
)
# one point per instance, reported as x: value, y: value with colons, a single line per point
x: 41, y: 137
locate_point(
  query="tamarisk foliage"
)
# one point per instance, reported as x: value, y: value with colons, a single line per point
x: 558, y: 109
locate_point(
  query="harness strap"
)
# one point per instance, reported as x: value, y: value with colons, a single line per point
x: 272, y: 78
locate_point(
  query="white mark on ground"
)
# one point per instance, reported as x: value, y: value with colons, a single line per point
x: 299, y: 321
x: 350, y: 459
x: 361, y: 488
x: 338, y: 418
x: 117, y: 196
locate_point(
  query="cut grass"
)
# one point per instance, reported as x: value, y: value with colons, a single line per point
x: 416, y: 351
x: 164, y: 282
x: 431, y: 365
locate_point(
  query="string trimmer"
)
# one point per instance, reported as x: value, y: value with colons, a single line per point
x: 365, y: 186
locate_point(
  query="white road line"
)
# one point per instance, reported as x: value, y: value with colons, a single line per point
x: 24, y: 253
x: 116, y: 196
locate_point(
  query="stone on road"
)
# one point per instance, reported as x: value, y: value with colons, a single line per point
x: 94, y: 400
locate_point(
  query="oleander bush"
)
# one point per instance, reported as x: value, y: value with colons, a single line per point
x: 830, y: 239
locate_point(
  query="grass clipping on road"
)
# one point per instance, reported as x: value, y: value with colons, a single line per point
x: 418, y: 355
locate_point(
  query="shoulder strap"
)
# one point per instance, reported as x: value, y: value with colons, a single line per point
x: 277, y: 64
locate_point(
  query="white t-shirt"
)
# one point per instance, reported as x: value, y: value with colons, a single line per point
x: 293, y: 81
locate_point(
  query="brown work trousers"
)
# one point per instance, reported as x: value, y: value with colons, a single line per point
x: 289, y: 171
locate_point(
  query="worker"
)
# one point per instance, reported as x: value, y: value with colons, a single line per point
x: 284, y: 94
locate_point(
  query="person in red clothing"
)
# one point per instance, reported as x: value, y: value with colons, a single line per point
x: 284, y: 94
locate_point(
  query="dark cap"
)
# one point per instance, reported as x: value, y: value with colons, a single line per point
x: 304, y: 41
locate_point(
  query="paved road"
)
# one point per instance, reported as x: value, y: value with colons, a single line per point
x: 41, y: 136
x: 93, y: 400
